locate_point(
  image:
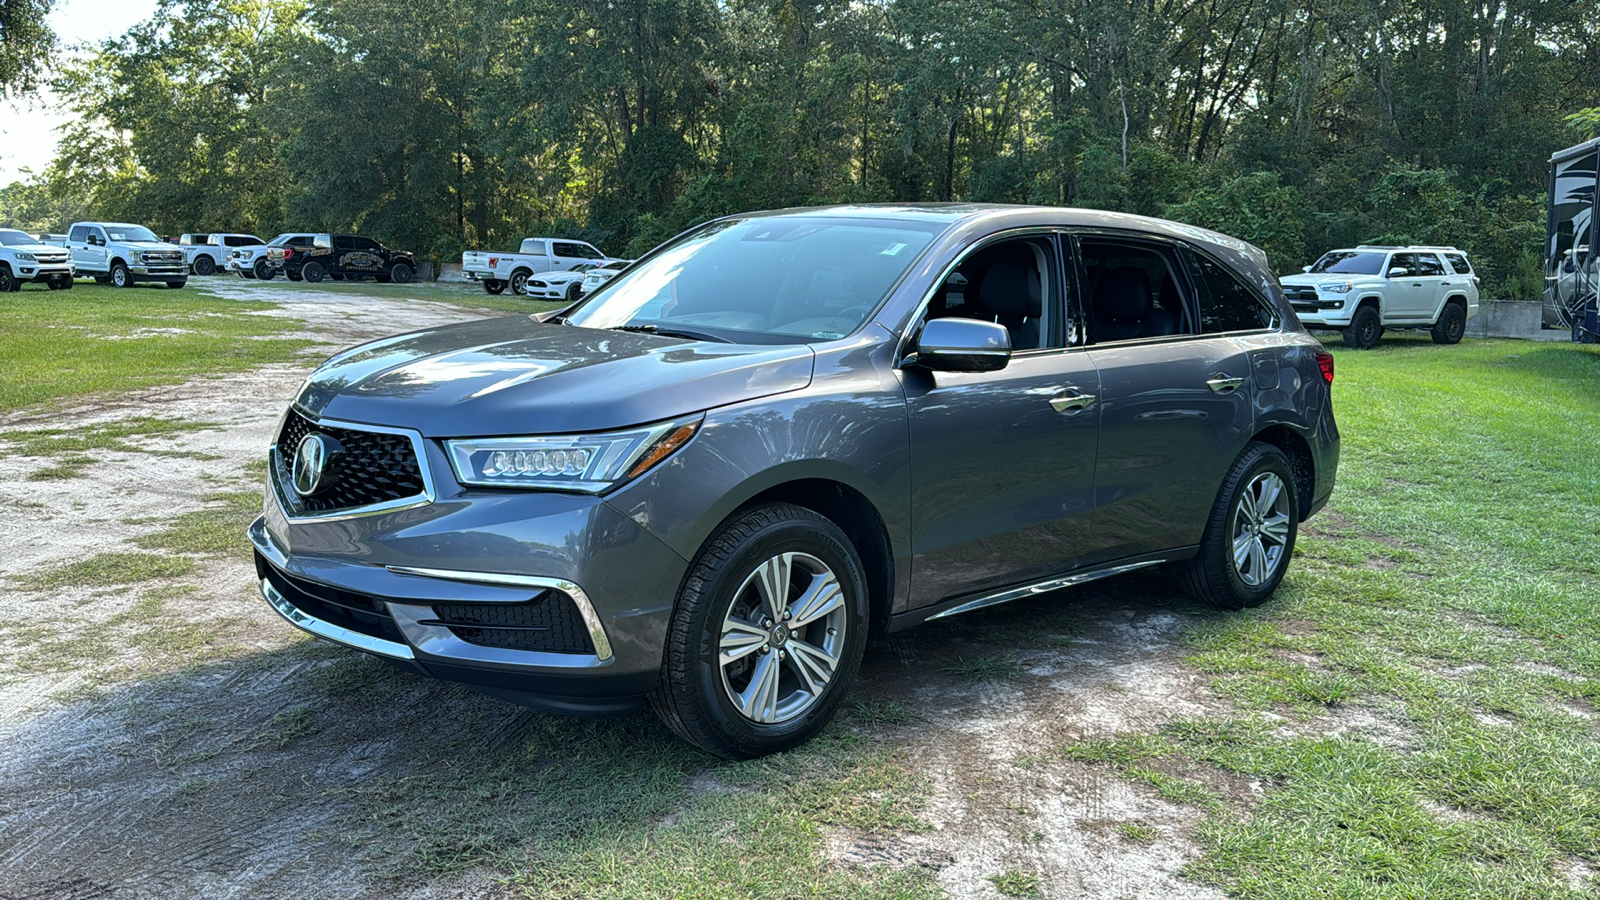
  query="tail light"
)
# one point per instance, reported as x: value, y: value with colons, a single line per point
x: 287, y: 254
x: 1325, y: 363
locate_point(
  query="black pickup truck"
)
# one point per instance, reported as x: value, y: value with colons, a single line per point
x: 344, y: 256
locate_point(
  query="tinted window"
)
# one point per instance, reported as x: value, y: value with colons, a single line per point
x: 1458, y: 263
x: 1010, y: 283
x: 1428, y: 264
x: 79, y: 233
x: 1407, y: 261
x: 1133, y: 291
x: 1225, y: 303
x: 1349, y: 262
x: 580, y: 251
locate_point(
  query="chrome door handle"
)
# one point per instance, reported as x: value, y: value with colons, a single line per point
x: 1223, y: 384
x: 1072, y: 403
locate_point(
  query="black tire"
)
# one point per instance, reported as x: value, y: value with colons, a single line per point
x: 291, y: 275
x: 572, y: 292
x: 519, y: 281
x: 312, y: 272
x: 1366, y: 327
x: 1214, y: 577
x: 494, y: 287
x: 262, y: 271
x: 177, y: 284
x: 121, y: 276
x: 205, y: 265
x: 247, y: 273
x: 693, y: 695
x: 1452, y: 323
x: 61, y: 284
x: 8, y: 282
x: 400, y: 273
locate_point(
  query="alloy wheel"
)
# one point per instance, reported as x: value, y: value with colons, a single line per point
x: 782, y: 638
x: 1260, y: 529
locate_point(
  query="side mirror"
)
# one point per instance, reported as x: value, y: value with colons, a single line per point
x: 962, y: 345
x: 1305, y: 268
x: 1398, y: 272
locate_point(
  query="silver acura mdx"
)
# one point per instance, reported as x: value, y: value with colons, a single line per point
x: 706, y: 485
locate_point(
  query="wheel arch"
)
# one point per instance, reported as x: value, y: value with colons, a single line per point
x: 1301, y: 461
x: 861, y: 522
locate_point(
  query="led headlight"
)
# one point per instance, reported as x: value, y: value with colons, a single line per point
x: 27, y: 256
x: 589, y: 463
x: 1336, y: 287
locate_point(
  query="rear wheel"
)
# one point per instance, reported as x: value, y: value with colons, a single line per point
x: 1366, y: 327
x: 1452, y: 324
x: 312, y: 272
x: 8, y: 281
x: 494, y: 287
x: 767, y: 634
x: 204, y: 265
x: 519, y: 280
x: 1250, y: 533
x: 291, y: 275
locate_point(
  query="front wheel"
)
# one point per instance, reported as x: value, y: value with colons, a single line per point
x: 572, y: 293
x: 312, y: 272
x: 400, y: 273
x: 767, y: 634
x: 61, y: 284
x: 177, y: 284
x: 1366, y: 327
x: 1451, y: 326
x: 1250, y: 533
x: 8, y: 281
x: 120, y: 276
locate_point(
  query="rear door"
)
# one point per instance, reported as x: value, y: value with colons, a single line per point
x: 1002, y: 463
x: 1175, y: 383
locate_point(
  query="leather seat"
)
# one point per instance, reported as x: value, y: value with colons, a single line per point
x: 1012, y: 293
x: 1124, y: 309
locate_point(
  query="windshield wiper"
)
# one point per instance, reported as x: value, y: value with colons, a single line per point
x: 672, y: 332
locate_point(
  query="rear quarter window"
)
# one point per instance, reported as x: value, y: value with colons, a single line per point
x: 1458, y: 263
x: 1226, y: 304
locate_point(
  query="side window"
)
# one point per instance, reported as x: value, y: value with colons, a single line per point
x: 569, y: 250
x: 343, y: 242
x: 1428, y: 264
x: 587, y: 252
x: 1407, y: 261
x: 1225, y: 303
x: 361, y: 243
x: 1012, y: 283
x: 1458, y: 263
x: 1133, y: 290
x: 80, y: 233
x: 98, y: 235
x: 304, y: 240
x: 325, y: 241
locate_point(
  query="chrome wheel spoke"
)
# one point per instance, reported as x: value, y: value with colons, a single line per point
x: 822, y: 597
x: 1277, y: 529
x: 772, y: 583
x: 1241, y: 550
x: 759, y: 700
x: 1271, y: 487
x: 1258, y: 560
x: 814, y: 665
x: 1247, y: 505
x: 740, y: 639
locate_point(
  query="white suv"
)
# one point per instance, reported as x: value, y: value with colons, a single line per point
x: 1364, y: 290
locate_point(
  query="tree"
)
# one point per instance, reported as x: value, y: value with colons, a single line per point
x: 26, y: 42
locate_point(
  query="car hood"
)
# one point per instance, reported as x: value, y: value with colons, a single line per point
x: 1306, y: 279
x: 512, y: 376
x: 149, y: 245
x: 37, y: 248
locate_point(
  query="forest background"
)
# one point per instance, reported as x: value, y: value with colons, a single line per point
x: 443, y: 125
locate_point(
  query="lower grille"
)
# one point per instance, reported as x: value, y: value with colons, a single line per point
x: 1301, y: 295
x: 550, y: 623
x: 358, y: 612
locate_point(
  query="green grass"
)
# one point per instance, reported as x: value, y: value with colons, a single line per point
x: 1420, y: 696
x: 215, y: 529
x: 1017, y: 884
x: 65, y: 345
x: 109, y: 569
x: 977, y: 669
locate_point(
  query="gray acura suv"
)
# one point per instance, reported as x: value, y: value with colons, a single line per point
x: 703, y: 487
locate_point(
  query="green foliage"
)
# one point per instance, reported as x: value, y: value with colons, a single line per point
x: 1586, y: 121
x: 639, y: 118
x: 25, y: 44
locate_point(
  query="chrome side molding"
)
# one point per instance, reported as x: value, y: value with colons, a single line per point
x: 1044, y: 587
x: 591, y: 619
x: 329, y: 631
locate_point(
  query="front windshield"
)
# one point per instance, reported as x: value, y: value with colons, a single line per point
x: 10, y: 237
x: 131, y: 233
x: 1349, y: 262
x: 800, y: 277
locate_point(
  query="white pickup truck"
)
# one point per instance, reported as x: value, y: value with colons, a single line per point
x: 208, y: 253
x: 498, y: 271
x: 122, y: 254
x: 25, y: 258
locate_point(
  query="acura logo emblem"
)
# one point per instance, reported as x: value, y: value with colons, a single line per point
x: 313, y: 460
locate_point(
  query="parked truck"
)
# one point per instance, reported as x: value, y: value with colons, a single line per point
x: 498, y: 271
x: 122, y: 254
x: 207, y: 254
x: 25, y: 258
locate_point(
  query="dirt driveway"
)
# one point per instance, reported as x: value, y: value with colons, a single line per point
x: 163, y: 733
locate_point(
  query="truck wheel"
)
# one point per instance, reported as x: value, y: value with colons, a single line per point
x: 205, y: 265
x: 1250, y: 533
x: 1452, y: 324
x: 519, y: 280
x: 263, y: 271
x: 312, y: 272
x: 61, y: 284
x: 177, y: 284
x: 494, y: 287
x: 400, y: 273
x: 8, y: 282
x: 766, y: 635
x: 291, y: 275
x: 120, y: 276
x: 1365, y: 329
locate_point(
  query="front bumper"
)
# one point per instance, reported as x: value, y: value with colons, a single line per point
x: 159, y: 271
x: 395, y: 584
x: 44, y: 271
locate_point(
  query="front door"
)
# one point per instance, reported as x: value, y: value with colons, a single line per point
x: 1409, y: 296
x: 1002, y: 463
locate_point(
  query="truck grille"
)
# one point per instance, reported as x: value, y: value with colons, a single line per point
x: 550, y: 622
x: 374, y: 468
x: 50, y: 258
x: 1301, y: 294
x: 358, y: 612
